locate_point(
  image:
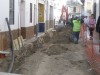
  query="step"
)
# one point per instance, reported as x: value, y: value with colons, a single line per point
x: 4, y: 52
x: 3, y: 73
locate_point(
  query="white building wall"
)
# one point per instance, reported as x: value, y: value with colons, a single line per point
x: 27, y: 13
x: 4, y: 13
x: 97, y: 9
x: 88, y: 5
x: 42, y: 1
x: 51, y: 3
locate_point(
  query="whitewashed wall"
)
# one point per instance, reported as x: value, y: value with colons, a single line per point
x: 97, y: 9
x: 87, y: 5
x: 4, y: 13
x: 27, y: 13
x: 41, y: 1
x: 51, y: 3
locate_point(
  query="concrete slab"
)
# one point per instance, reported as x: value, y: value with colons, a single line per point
x: 2, y: 73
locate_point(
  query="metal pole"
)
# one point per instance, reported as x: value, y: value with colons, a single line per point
x: 11, y: 45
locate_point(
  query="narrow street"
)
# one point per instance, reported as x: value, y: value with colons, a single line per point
x: 58, y: 56
x: 50, y: 37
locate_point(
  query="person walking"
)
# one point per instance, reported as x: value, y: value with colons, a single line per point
x: 91, y: 25
x: 86, y: 20
x: 76, y: 29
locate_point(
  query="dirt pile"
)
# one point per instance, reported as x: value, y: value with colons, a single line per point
x: 54, y: 49
x: 58, y: 37
x: 51, y: 45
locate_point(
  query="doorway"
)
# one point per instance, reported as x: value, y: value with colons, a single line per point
x: 41, y: 17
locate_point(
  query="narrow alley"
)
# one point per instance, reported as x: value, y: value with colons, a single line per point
x: 50, y: 37
x: 58, y: 56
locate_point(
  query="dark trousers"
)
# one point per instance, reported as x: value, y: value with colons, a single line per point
x: 76, y: 36
x: 91, y: 31
x: 64, y: 22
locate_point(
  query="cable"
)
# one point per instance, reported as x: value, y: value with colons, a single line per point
x: 11, y: 45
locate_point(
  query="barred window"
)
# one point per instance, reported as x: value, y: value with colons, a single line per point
x: 74, y: 9
x: 31, y: 12
x: 11, y: 11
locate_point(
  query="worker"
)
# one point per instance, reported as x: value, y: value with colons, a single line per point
x: 76, y: 29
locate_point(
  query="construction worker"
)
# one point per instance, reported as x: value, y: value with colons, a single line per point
x: 76, y: 29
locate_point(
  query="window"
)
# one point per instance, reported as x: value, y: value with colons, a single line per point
x: 74, y: 9
x: 94, y: 10
x: 11, y: 12
x: 31, y: 12
x: 51, y: 12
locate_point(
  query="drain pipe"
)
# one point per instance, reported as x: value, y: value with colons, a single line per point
x: 11, y: 45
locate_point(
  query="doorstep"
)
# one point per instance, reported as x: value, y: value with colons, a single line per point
x: 3, y: 73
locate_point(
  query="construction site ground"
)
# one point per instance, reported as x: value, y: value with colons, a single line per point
x: 52, y: 54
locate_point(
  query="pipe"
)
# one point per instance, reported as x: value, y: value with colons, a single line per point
x: 11, y: 45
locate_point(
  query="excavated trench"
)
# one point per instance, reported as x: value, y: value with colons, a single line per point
x: 51, y: 54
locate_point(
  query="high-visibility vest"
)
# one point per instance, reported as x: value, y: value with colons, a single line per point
x: 76, y: 25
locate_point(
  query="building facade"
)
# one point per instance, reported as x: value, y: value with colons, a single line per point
x: 75, y: 7
x: 26, y: 18
x: 97, y: 8
x: 88, y: 7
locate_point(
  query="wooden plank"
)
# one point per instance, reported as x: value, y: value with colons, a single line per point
x: 20, y: 42
x: 16, y: 44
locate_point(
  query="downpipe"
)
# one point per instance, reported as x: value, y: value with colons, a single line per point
x: 11, y: 45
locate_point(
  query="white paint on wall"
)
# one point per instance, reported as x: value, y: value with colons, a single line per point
x: 42, y: 1
x: 4, y: 13
x: 97, y: 9
x: 22, y: 14
x: 18, y: 20
x: 88, y: 5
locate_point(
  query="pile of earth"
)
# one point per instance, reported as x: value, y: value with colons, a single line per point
x: 54, y: 49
